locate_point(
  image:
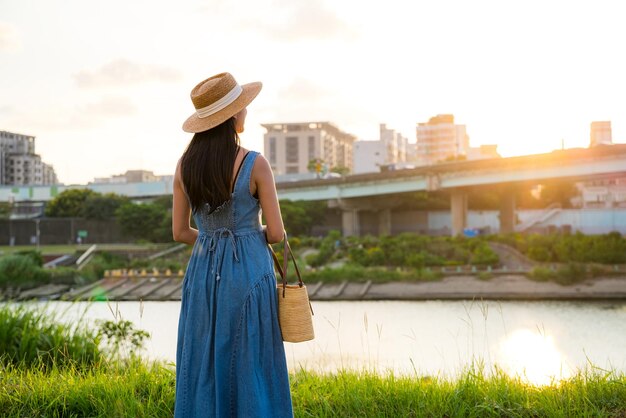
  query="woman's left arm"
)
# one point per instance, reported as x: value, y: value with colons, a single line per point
x: 181, y: 211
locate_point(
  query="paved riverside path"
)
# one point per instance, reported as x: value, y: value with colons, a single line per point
x: 453, y: 287
x: 503, y: 287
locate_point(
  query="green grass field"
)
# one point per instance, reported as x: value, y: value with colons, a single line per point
x: 143, y: 390
x: 70, y: 249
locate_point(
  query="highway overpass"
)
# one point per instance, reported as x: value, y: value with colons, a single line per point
x: 375, y: 191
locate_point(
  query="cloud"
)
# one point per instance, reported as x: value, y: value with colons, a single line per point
x: 73, y: 118
x: 123, y: 72
x: 9, y: 39
x: 301, y: 89
x: 288, y: 20
x: 109, y: 107
x: 303, y: 100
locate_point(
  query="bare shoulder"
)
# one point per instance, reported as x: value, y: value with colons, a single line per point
x: 261, y: 165
x: 178, y: 171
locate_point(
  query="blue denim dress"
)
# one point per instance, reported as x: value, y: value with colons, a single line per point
x: 230, y: 358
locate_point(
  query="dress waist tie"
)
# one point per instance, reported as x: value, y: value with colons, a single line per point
x: 215, y: 249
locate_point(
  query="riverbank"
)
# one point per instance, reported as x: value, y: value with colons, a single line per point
x: 466, y: 287
x: 147, y: 390
x: 452, y: 287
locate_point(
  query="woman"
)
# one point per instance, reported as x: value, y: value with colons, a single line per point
x: 230, y: 358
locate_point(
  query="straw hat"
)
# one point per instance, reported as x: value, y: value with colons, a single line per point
x: 217, y: 99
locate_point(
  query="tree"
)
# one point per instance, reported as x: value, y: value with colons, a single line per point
x: 299, y: 217
x: 69, y: 203
x: 147, y: 221
x: 344, y: 171
x: 103, y: 207
x: 141, y: 221
x: 315, y: 165
x: 5, y: 210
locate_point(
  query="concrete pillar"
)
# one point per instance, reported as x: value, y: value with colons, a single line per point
x: 384, y: 222
x: 458, y: 203
x: 350, y: 222
x: 507, y: 211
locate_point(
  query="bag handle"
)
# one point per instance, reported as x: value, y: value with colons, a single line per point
x: 287, y: 252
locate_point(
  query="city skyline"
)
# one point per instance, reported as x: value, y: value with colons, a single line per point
x: 105, y: 91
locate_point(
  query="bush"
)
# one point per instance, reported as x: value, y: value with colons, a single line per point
x: 541, y: 274
x: 94, y: 270
x: 571, y: 273
x: 326, y: 250
x: 29, y: 336
x: 567, y: 274
x: 577, y: 248
x: 484, y: 255
x: 20, y: 271
x: 35, y: 256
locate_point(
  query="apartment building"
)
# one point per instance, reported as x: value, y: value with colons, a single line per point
x: 290, y: 147
x: 19, y: 165
x: 601, y: 134
x: 440, y: 139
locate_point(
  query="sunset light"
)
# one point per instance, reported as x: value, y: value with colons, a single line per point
x: 528, y: 76
x: 533, y: 356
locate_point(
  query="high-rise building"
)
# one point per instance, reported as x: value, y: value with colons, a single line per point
x: 395, y: 143
x: 19, y: 165
x: 601, y: 134
x: 290, y: 147
x: 440, y: 139
x: 390, y: 150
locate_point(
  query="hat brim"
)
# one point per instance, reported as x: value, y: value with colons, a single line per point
x: 195, y: 124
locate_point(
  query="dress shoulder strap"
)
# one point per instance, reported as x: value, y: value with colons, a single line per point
x: 245, y: 171
x: 243, y: 160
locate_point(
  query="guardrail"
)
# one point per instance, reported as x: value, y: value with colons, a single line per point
x: 86, y: 257
x: 168, y: 251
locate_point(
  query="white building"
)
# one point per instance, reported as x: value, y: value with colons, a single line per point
x: 19, y: 165
x: 390, y: 150
x: 369, y: 156
x: 440, y: 139
x: 131, y: 176
x: 601, y: 134
x: 291, y: 147
x: 602, y: 193
x: 483, y: 152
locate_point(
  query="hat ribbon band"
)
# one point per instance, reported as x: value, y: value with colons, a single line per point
x: 221, y: 103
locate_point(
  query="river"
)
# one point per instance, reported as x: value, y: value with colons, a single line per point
x: 536, y: 340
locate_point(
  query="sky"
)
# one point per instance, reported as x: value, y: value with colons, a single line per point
x: 104, y: 85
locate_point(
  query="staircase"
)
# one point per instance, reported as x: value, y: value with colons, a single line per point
x: 542, y: 216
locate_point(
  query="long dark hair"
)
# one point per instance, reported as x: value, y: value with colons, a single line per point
x: 207, y: 165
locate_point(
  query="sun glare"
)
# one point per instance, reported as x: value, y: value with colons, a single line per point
x: 533, y: 356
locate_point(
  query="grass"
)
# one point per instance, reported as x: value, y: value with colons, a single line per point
x: 569, y: 273
x: 70, y: 249
x: 32, y: 337
x: 147, y: 390
x: 137, y: 389
x: 69, y: 386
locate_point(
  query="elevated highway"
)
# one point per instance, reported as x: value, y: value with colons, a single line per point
x: 375, y: 191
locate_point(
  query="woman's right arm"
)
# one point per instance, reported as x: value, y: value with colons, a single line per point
x: 268, y: 198
x: 181, y: 211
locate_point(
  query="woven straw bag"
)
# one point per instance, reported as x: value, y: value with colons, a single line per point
x: 294, y: 309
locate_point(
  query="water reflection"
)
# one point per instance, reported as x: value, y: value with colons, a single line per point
x: 437, y: 338
x: 533, y: 356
